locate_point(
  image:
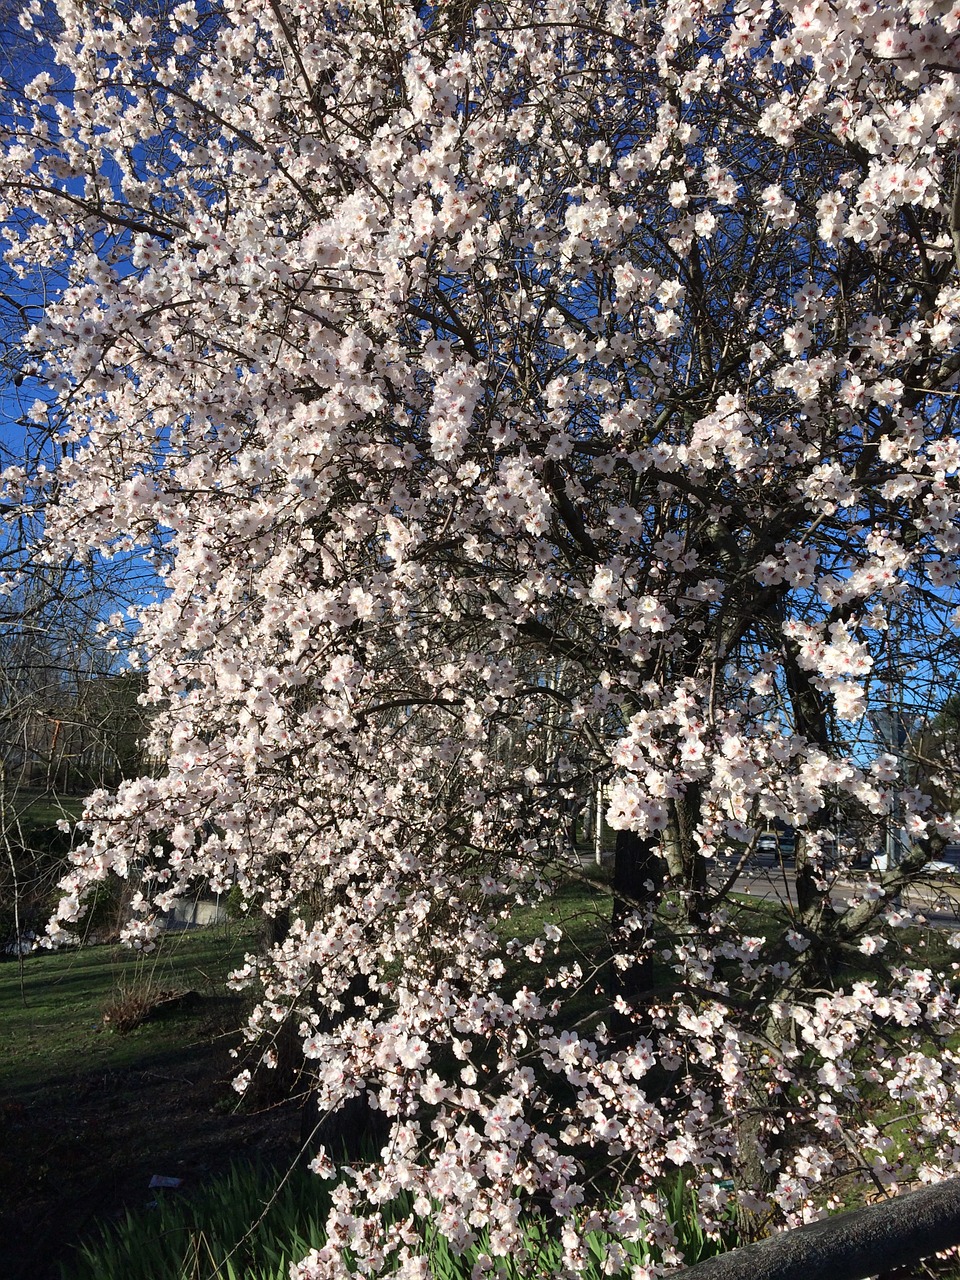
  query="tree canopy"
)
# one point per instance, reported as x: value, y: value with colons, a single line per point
x: 514, y: 398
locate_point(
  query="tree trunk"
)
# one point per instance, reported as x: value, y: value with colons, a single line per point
x: 637, y: 881
x: 685, y: 866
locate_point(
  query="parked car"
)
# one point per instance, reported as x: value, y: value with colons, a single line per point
x: 776, y: 844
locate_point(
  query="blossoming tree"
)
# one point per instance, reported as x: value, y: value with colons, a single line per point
x: 516, y: 397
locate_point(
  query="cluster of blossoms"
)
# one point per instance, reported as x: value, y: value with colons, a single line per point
x: 512, y: 397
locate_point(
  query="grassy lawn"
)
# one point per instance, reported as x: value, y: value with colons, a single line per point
x: 34, y: 857
x: 88, y: 1115
x: 53, y: 1023
x: 39, y: 808
x: 53, y: 1026
x: 31, y: 815
x: 579, y: 907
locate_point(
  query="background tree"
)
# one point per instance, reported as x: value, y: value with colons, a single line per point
x: 69, y: 722
x: 69, y: 719
x: 513, y: 397
x: 936, y: 757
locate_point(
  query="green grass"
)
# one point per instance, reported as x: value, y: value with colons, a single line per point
x: 39, y: 808
x: 30, y: 818
x: 35, y: 856
x: 60, y: 1033
x: 580, y: 908
x: 54, y: 1026
x: 60, y: 1028
x: 252, y: 1224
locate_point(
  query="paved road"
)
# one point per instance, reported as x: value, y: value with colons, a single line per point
x: 938, y: 902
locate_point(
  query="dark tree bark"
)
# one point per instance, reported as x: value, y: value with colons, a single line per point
x: 637, y: 882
